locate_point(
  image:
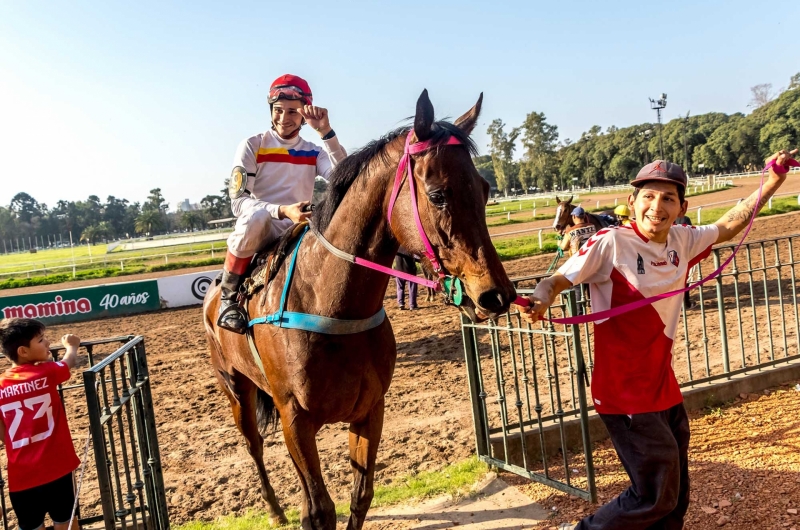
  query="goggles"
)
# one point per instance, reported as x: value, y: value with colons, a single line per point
x: 288, y: 92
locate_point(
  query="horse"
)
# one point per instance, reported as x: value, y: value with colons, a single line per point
x: 312, y: 379
x: 563, y: 219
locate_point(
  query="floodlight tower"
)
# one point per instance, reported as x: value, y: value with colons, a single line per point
x: 657, y: 105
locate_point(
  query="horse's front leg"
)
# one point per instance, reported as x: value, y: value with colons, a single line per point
x: 365, y: 437
x: 299, y: 433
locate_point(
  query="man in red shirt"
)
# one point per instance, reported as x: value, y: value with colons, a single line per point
x: 41, y: 457
x: 634, y: 389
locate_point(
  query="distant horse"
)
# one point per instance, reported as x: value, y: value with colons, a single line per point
x: 563, y: 219
x: 313, y: 379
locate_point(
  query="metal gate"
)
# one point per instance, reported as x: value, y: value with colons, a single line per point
x: 528, y: 387
x: 123, y: 485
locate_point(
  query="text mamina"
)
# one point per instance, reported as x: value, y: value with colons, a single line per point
x: 55, y: 308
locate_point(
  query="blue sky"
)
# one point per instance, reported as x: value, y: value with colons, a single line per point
x: 116, y: 98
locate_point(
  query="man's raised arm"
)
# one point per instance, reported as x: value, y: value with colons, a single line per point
x: 737, y: 217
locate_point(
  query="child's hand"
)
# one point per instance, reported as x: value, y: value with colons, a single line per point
x: 70, y: 341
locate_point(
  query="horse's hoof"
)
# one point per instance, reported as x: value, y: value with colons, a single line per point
x: 278, y: 520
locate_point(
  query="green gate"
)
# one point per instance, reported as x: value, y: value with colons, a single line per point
x: 528, y: 386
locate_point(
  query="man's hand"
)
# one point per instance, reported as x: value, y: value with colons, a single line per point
x: 294, y: 212
x: 71, y: 343
x: 781, y: 157
x: 317, y: 118
x: 534, y: 312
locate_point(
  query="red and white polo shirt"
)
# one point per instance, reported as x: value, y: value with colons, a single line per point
x: 633, y: 351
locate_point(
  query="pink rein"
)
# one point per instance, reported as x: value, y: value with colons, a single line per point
x: 616, y: 311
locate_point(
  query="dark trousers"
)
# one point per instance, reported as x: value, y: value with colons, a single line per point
x: 406, y: 264
x: 653, y: 448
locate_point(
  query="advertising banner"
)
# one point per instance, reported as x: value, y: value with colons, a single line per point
x: 185, y: 289
x: 83, y: 303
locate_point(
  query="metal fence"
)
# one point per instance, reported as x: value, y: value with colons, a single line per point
x: 526, y: 381
x: 122, y: 484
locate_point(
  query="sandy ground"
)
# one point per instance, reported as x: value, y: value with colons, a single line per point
x: 428, y: 422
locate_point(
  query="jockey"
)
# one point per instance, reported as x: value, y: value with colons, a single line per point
x: 623, y: 214
x: 272, y: 183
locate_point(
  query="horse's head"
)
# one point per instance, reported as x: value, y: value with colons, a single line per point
x: 563, y: 215
x: 452, y: 198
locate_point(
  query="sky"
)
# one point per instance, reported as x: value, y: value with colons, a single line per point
x: 117, y: 98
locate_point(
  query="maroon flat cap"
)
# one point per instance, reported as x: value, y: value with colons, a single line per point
x: 661, y: 170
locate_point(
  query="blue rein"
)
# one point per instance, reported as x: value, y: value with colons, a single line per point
x: 314, y: 323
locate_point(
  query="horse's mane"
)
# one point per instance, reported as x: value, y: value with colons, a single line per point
x: 345, y: 173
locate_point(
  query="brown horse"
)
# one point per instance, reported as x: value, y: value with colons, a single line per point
x: 563, y: 219
x: 315, y: 379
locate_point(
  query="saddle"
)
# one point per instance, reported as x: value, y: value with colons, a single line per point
x: 267, y: 262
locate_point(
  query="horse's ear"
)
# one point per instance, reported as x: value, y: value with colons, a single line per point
x: 468, y: 121
x: 569, y: 201
x: 423, y: 120
x: 558, y: 201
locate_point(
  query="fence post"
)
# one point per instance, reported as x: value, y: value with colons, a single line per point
x: 598, y: 205
x: 698, y: 214
x: 166, y: 259
x: 540, y: 239
x: 508, y: 216
x: 770, y: 204
x: 723, y: 330
x: 615, y: 202
x: 520, y: 206
x: 534, y: 209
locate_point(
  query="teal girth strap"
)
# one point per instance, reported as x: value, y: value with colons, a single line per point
x: 314, y: 323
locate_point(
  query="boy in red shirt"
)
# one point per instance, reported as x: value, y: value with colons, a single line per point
x: 41, y: 457
x: 634, y: 389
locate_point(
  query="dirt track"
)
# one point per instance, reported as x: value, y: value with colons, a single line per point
x: 207, y: 469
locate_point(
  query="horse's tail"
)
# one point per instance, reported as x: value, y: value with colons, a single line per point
x: 266, y: 414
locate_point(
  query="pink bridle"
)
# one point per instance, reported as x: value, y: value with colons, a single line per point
x: 407, y: 162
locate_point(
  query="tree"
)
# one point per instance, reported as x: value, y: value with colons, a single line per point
x: 794, y: 81
x: 192, y: 219
x: 148, y: 221
x: 24, y: 206
x: 485, y: 168
x: 94, y: 232
x: 762, y: 94
x: 539, y: 138
x: 501, y: 149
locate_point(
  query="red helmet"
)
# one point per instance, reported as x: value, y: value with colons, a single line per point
x: 290, y: 86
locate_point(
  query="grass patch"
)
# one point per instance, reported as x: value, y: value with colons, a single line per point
x: 455, y: 480
x: 523, y: 247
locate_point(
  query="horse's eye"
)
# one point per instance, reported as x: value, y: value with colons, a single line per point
x: 438, y: 199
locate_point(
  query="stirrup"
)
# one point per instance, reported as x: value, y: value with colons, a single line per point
x: 233, y: 308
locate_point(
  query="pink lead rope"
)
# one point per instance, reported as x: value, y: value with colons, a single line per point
x: 616, y: 311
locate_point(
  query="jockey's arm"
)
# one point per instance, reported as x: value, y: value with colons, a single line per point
x: 246, y: 157
x: 544, y: 295
x: 565, y: 242
x: 332, y: 154
x: 736, y: 219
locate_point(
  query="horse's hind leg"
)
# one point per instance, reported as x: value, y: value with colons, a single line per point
x: 243, y: 396
x: 364, y: 439
x: 299, y: 433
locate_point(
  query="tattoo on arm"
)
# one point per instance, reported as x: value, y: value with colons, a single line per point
x: 743, y: 211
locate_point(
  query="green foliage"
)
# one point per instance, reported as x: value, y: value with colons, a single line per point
x: 719, y: 142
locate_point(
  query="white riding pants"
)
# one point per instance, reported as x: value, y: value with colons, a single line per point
x: 254, y: 230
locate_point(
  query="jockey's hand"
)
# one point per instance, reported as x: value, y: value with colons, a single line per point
x: 294, y: 212
x: 534, y: 312
x: 317, y: 118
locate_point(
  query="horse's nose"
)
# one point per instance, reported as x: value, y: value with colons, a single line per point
x: 491, y: 300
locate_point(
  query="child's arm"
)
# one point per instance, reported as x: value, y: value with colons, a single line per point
x: 544, y: 295
x: 737, y: 217
x: 71, y: 343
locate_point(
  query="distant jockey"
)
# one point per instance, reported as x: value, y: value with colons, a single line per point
x: 273, y: 182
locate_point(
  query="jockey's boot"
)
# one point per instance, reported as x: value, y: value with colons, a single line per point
x: 231, y: 316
